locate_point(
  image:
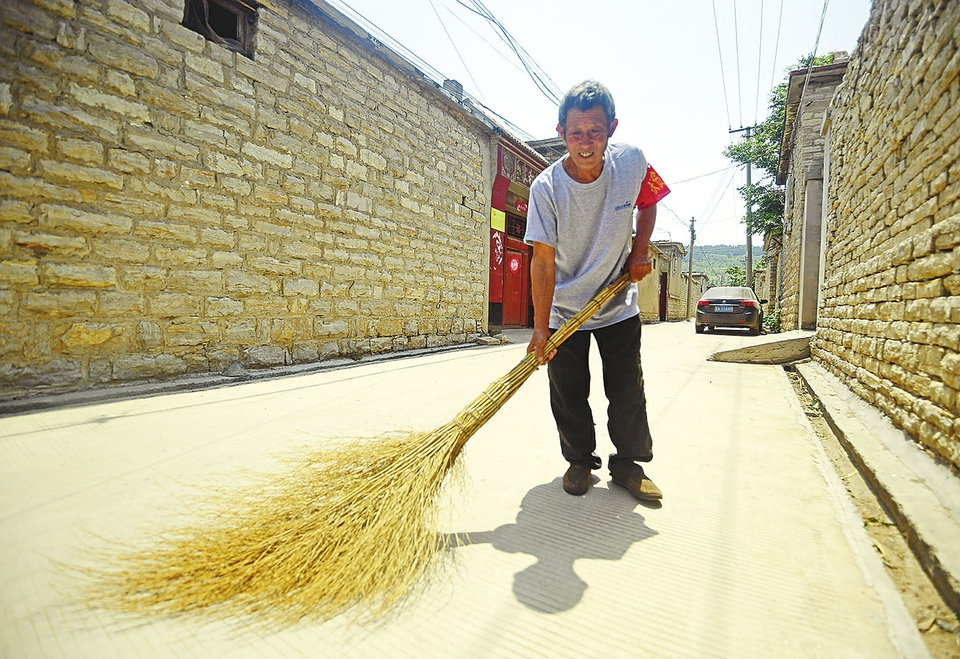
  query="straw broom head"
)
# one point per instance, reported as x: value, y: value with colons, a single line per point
x: 349, y: 528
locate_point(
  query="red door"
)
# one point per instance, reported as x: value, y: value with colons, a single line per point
x: 516, y: 288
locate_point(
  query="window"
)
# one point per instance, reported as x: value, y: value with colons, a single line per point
x: 230, y: 23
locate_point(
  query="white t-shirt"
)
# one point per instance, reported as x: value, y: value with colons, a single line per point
x: 590, y: 225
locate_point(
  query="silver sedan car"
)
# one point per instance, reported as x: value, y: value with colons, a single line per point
x: 730, y: 306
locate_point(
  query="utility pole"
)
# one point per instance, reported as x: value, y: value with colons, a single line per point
x: 749, y: 262
x: 690, y: 269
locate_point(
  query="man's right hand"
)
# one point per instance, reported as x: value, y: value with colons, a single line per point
x: 537, y: 344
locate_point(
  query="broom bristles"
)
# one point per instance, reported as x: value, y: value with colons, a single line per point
x: 350, y: 528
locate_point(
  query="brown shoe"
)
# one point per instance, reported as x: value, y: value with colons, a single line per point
x: 577, y: 480
x: 639, y: 486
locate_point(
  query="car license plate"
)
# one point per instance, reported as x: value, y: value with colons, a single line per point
x: 723, y: 308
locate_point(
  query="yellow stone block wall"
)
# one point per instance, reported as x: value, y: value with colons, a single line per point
x: 168, y: 206
x: 889, y: 322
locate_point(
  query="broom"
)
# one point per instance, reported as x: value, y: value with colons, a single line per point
x: 349, y: 528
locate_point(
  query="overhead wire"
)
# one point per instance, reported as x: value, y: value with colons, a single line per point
x: 717, y: 195
x: 457, y: 51
x: 776, y: 47
x: 756, y: 106
x: 378, y: 33
x: 694, y: 178
x: 816, y: 45
x: 484, y: 40
x: 723, y: 77
x: 736, y: 41
x: 541, y: 80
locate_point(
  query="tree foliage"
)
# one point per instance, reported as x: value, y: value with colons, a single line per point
x: 762, y: 151
x: 735, y: 276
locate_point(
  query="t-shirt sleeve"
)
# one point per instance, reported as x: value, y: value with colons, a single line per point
x: 652, y: 190
x: 541, y: 216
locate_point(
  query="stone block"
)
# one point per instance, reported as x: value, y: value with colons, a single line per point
x: 265, y: 356
x: 56, y: 372
x: 299, y: 286
x: 123, y: 57
x: 144, y: 277
x: 64, y: 117
x: 173, y: 305
x: 82, y: 337
x: 245, y: 282
x: 139, y: 367
x: 121, y: 303
x: 191, y: 333
x: 35, y: 189
x: 79, y: 275
x: 48, y: 243
x: 165, y: 232
x: 97, y: 99
x: 58, y: 304
x: 14, y: 273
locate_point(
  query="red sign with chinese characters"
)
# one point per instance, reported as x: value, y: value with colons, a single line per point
x: 521, y: 206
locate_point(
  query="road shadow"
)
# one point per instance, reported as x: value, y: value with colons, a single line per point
x: 557, y: 529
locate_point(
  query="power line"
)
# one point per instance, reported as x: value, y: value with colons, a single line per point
x: 484, y: 40
x: 813, y: 55
x: 388, y: 40
x: 736, y: 42
x: 673, y: 213
x: 717, y: 195
x: 756, y: 105
x: 723, y: 78
x: 694, y: 178
x: 539, y: 77
x: 776, y: 47
x: 456, y: 50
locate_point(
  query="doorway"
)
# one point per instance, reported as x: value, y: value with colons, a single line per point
x: 663, y: 296
x: 516, y: 288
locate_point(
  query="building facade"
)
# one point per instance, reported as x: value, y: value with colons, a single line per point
x: 511, y: 303
x: 800, y: 248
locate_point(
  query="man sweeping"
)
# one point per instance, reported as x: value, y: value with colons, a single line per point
x: 580, y: 222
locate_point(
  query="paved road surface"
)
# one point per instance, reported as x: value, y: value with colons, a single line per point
x: 755, y: 551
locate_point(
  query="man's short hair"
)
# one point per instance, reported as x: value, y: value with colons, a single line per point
x: 586, y: 95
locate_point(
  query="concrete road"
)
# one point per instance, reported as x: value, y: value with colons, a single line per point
x: 755, y: 551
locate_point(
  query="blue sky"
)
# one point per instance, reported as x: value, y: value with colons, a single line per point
x: 661, y: 60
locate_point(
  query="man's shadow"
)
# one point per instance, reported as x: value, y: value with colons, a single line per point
x: 558, y: 529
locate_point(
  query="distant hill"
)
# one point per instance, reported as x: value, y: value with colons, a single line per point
x: 713, y: 260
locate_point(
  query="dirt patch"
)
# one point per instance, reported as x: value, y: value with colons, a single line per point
x: 937, y: 623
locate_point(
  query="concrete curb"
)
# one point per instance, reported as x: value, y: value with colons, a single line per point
x: 772, y: 349
x: 921, y: 496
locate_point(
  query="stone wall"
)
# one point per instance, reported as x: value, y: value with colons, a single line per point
x: 168, y: 206
x: 889, y: 323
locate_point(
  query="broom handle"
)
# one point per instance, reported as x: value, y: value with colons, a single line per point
x: 477, y: 413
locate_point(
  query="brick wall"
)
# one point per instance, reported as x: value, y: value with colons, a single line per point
x: 889, y: 323
x: 168, y: 206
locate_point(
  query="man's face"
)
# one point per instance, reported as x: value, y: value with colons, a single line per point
x: 586, y: 133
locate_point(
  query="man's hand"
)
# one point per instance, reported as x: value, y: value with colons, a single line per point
x: 537, y: 344
x: 640, y: 266
x: 638, y: 262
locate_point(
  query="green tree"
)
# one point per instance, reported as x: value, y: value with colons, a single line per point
x: 735, y: 276
x: 762, y: 151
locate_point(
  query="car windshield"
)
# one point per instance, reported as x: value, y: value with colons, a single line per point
x: 730, y: 292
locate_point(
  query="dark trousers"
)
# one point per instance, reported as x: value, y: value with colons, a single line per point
x: 569, y: 375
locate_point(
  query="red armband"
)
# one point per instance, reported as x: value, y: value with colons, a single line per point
x: 652, y: 190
